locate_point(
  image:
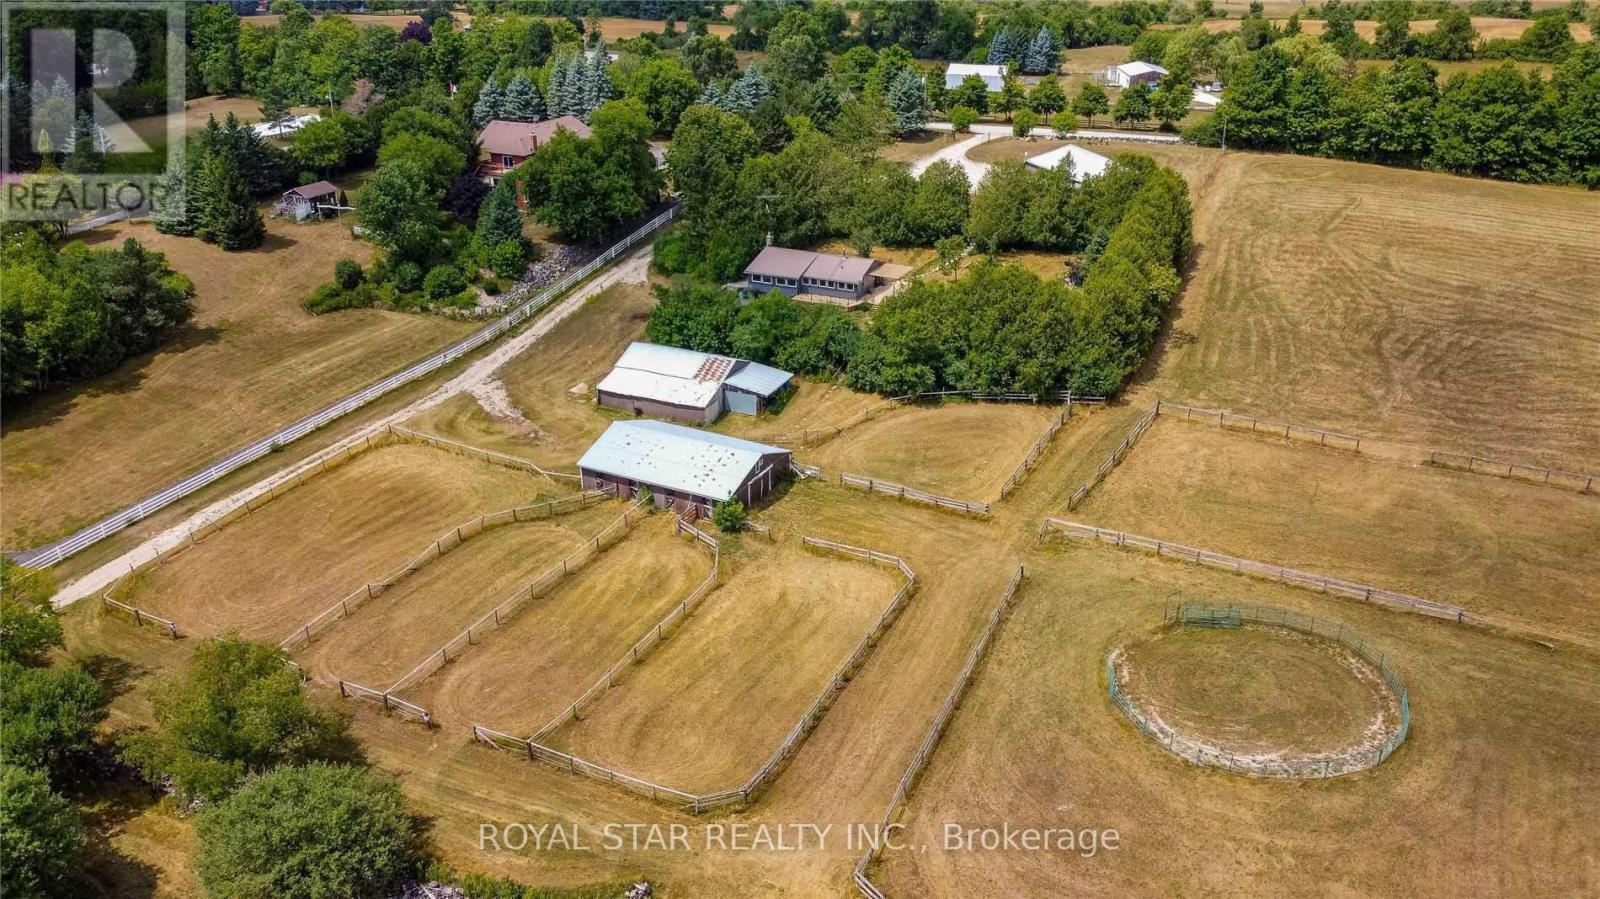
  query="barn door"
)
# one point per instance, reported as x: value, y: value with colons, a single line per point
x: 743, y: 403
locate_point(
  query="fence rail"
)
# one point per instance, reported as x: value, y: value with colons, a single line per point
x: 936, y: 729
x: 446, y: 542
x: 1037, y: 450
x: 1258, y: 425
x: 140, y: 616
x: 816, y: 436
x: 53, y: 553
x: 1320, y: 582
x: 411, y: 710
x: 1233, y: 615
x: 1116, y: 457
x: 1555, y: 477
x: 510, y: 606
x: 873, y: 485
x: 475, y: 452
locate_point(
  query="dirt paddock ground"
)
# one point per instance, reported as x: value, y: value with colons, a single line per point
x: 1519, y: 553
x: 392, y: 633
x: 703, y: 711
x: 270, y: 571
x: 522, y: 674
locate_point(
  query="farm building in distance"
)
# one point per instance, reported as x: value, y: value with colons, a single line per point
x: 1130, y: 73
x: 994, y: 77
x: 1085, y: 163
x: 301, y: 202
x: 668, y: 382
x: 806, y: 275
x: 506, y: 144
x: 687, y: 470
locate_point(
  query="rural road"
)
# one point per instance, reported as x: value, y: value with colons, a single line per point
x: 633, y: 268
x: 957, y: 153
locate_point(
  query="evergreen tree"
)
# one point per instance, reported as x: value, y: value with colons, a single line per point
x: 824, y: 103
x: 491, y: 100
x: 521, y: 102
x: 746, y: 93
x: 555, y: 96
x: 498, y: 218
x: 1001, y: 49
x: 1041, y: 55
x: 908, y: 102
x: 175, y: 211
x: 712, y: 96
x: 228, y: 216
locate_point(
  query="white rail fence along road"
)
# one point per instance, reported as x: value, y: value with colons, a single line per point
x: 51, y: 554
x: 930, y: 740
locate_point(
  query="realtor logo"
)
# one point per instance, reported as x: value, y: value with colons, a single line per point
x: 94, y: 107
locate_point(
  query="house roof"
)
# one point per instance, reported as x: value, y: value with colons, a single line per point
x: 682, y: 377
x: 982, y: 71
x: 675, y: 457
x: 763, y: 380
x: 522, y: 138
x: 1140, y: 67
x: 313, y: 190
x: 1085, y: 163
x: 782, y: 262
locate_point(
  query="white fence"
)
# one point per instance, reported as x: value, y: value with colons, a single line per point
x: 51, y: 554
x: 930, y: 740
x: 1320, y: 582
x: 873, y: 485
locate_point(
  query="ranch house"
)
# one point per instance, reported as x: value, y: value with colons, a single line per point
x: 828, y: 277
x: 506, y: 144
x: 994, y: 77
x: 668, y: 382
x: 686, y: 469
x: 1130, y: 73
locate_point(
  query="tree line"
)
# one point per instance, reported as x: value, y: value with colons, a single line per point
x: 996, y: 328
x: 1497, y: 123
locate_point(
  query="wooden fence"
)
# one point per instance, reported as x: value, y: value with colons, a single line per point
x: 930, y: 740
x: 405, y: 709
x: 1257, y: 425
x: 140, y: 616
x: 1311, y: 580
x: 1037, y: 449
x: 505, y: 459
x: 449, y: 540
x: 1555, y: 477
x: 817, y: 436
x: 873, y: 485
x: 508, y: 608
x: 1116, y: 457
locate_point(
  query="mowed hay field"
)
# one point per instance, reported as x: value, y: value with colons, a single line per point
x: 705, y: 710
x: 1524, y: 555
x: 248, y: 362
x: 522, y: 674
x: 270, y: 571
x: 390, y: 634
x: 1397, y: 304
x: 1488, y: 27
x: 961, y: 450
x: 1489, y: 795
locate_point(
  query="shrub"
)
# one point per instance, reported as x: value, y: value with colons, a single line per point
x: 408, y: 276
x: 329, y: 297
x: 729, y: 517
x: 493, y: 287
x: 508, y: 258
x: 443, y: 281
x: 962, y: 118
x: 40, y: 834
x: 1022, y: 122
x: 647, y: 499
x: 347, y: 273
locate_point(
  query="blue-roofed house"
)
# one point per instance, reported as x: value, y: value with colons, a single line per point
x: 686, y: 469
x: 685, y: 385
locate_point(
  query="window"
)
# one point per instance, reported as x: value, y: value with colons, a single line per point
x: 507, y: 161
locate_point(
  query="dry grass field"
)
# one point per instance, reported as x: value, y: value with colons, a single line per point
x: 1487, y: 795
x: 1489, y: 27
x: 153, y: 129
x: 273, y: 569
x: 391, y: 634
x: 960, y: 450
x: 520, y: 675
x: 249, y: 361
x: 1521, y: 554
x: 1258, y: 690
x: 703, y: 711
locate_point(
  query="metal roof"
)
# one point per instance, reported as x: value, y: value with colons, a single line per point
x: 1140, y: 67
x: 782, y: 262
x: 1085, y: 163
x: 675, y: 457
x: 763, y: 380
x: 661, y: 388
x: 662, y: 360
x: 979, y: 69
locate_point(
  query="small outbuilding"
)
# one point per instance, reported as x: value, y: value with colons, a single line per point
x: 302, y: 202
x: 1085, y: 163
x: 994, y: 77
x: 685, y: 385
x: 1130, y: 73
x: 686, y: 469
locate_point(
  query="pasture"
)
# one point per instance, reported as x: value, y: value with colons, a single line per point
x: 704, y: 710
x: 1494, y: 774
x: 522, y: 674
x: 249, y: 361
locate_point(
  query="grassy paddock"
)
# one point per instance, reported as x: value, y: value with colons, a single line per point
x: 705, y: 710
x: 249, y: 361
x: 1495, y: 772
x: 520, y: 675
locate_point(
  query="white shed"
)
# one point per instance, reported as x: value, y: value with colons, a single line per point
x: 1085, y: 163
x: 1130, y: 73
x: 994, y: 77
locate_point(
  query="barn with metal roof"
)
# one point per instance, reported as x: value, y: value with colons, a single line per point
x: 669, y: 382
x: 686, y: 469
